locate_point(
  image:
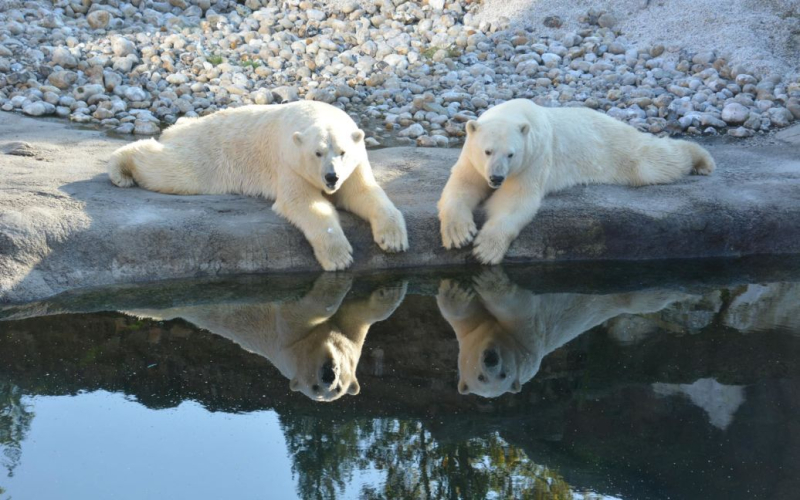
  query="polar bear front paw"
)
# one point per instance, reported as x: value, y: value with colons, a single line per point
x: 454, y: 299
x: 390, y: 232
x: 491, y: 246
x: 388, y: 296
x: 334, y: 253
x: 458, y: 231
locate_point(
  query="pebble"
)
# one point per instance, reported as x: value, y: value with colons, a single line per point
x: 411, y: 72
x: 735, y: 113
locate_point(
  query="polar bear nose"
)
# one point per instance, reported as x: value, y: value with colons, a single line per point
x: 331, y: 178
x: 490, y: 358
x: 496, y: 179
x: 328, y: 375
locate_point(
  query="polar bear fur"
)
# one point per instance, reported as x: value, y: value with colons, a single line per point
x: 315, y: 341
x: 281, y: 152
x: 504, y: 331
x: 517, y: 152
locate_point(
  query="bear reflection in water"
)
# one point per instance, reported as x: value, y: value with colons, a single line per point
x: 504, y: 331
x: 314, y: 341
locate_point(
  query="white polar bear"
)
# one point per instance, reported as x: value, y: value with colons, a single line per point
x: 303, y: 155
x: 517, y: 152
x: 315, y: 341
x: 504, y: 331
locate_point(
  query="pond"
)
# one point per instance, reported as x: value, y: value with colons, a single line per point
x: 592, y: 381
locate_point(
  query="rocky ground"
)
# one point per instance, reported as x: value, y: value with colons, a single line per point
x: 410, y: 72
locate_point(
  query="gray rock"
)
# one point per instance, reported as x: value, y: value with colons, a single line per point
x: 98, y: 19
x: 53, y: 231
x: 122, y: 46
x: 412, y: 131
x: 607, y: 20
x: 62, y: 79
x: 39, y: 108
x: 135, y: 94
x: 740, y: 132
x: 780, y: 117
x: 84, y: 92
x: 145, y: 127
x: 735, y: 113
x: 64, y: 58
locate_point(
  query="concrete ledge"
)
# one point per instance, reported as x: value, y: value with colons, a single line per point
x: 64, y: 226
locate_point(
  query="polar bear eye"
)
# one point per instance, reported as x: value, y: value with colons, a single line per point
x: 488, y: 152
x: 510, y: 155
x: 319, y: 154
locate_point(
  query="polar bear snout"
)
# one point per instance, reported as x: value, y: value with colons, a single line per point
x: 490, y: 358
x: 326, y: 374
x: 495, y: 181
x: 331, y: 178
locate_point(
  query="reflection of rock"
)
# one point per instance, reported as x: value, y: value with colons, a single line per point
x: 315, y: 341
x: 764, y: 307
x: 504, y: 331
x: 719, y: 401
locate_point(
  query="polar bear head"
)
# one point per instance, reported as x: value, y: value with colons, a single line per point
x: 324, y: 364
x: 328, y: 154
x: 497, y: 148
x: 491, y: 363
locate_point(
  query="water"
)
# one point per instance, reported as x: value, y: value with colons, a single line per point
x: 631, y: 381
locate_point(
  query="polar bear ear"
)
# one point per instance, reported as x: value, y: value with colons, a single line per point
x: 354, y: 388
x: 516, y: 387
x: 358, y: 136
x: 294, y: 385
x: 472, y: 126
x: 297, y: 137
x: 525, y: 128
x: 463, y: 388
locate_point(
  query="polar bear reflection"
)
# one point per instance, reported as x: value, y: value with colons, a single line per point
x: 504, y: 331
x: 315, y: 341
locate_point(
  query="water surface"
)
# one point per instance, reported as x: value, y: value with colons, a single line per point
x: 662, y: 380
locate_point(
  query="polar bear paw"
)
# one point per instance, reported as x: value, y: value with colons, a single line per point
x: 334, y: 253
x: 491, y: 280
x: 390, y: 233
x: 388, y: 296
x: 458, y: 230
x: 491, y: 246
x: 454, y: 297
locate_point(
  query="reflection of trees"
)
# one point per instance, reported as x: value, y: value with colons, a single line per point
x: 15, y: 422
x: 415, y: 464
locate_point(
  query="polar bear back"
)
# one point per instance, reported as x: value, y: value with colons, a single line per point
x: 241, y: 150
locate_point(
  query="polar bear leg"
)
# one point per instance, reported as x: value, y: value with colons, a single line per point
x: 361, y: 195
x: 459, y: 306
x: 663, y: 160
x: 510, y: 208
x: 317, y: 218
x: 322, y: 302
x: 382, y: 302
x: 464, y: 191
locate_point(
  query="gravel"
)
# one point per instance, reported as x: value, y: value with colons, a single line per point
x: 409, y: 72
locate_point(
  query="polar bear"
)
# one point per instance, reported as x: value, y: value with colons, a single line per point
x: 517, y: 152
x: 307, y: 156
x: 504, y: 331
x: 315, y: 341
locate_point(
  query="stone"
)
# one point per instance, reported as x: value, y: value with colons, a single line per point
x: 145, y: 127
x: 62, y: 79
x: 553, y: 22
x: 122, y: 47
x: 39, y: 109
x: 607, y: 20
x: 64, y: 58
x: 780, y: 117
x: 98, y: 19
x: 735, y: 113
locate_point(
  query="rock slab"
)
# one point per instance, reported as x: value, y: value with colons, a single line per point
x: 63, y: 225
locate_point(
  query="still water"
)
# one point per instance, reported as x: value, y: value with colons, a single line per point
x: 631, y: 381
